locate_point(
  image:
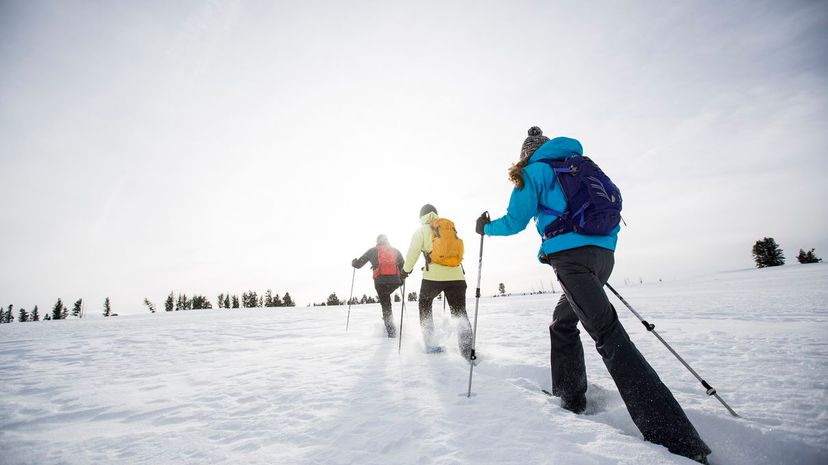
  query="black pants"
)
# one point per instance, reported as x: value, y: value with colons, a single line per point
x: 384, y: 292
x: 455, y: 293
x: 582, y: 273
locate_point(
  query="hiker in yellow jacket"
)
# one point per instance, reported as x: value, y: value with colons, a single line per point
x: 442, y: 272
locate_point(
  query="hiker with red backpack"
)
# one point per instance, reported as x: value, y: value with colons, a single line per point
x: 386, y: 261
x: 577, y: 210
x: 436, y: 239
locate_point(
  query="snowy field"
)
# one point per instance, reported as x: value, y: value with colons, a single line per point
x: 289, y: 386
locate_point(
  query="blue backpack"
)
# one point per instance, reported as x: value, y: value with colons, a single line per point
x: 593, y: 201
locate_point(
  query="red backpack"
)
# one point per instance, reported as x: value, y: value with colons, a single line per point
x: 387, y: 258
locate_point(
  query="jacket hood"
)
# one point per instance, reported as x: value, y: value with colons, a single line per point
x: 559, y: 148
x: 428, y: 218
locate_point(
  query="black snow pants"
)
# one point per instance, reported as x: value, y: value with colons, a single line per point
x: 384, y: 292
x: 582, y: 273
x: 455, y: 294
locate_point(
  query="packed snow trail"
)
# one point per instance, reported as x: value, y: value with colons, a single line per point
x: 289, y: 386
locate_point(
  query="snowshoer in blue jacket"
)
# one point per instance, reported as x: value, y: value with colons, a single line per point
x: 583, y: 264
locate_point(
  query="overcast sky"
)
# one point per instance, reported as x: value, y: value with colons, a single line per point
x: 207, y: 147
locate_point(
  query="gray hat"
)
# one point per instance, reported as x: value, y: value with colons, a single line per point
x: 427, y: 208
x: 533, y: 142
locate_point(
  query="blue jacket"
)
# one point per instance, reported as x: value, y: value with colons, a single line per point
x: 541, y: 187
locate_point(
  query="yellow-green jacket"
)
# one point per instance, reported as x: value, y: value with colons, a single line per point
x: 421, y: 242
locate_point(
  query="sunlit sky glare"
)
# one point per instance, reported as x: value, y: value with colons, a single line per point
x: 207, y: 147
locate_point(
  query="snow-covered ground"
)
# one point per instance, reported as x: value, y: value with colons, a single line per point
x: 289, y: 386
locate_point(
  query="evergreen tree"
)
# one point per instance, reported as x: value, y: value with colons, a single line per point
x: 35, y: 314
x: 181, y: 302
x: 333, y: 299
x: 150, y: 306
x: 397, y: 298
x: 227, y: 301
x: 268, y: 298
x: 261, y: 302
x: 5, y: 316
x: 235, y: 301
x: 76, y: 309
x: 767, y: 253
x: 58, y: 310
x: 501, y: 288
x: 200, y: 302
x: 363, y: 300
x: 23, y: 316
x: 412, y: 296
x: 107, y: 308
x: 169, y: 304
x: 277, y: 301
x: 287, y: 301
x: 47, y: 317
x: 220, y: 301
x: 807, y: 257
x: 9, y: 316
x: 250, y: 299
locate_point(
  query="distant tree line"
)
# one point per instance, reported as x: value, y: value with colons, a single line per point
x: 249, y: 299
x: 333, y: 299
x: 59, y: 312
x: 766, y: 253
x: 364, y: 300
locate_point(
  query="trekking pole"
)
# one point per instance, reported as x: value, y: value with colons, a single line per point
x: 711, y: 391
x: 349, y: 300
x: 472, y: 356
x: 402, y: 312
x: 444, y: 302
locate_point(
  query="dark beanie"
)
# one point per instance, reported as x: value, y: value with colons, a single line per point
x: 382, y: 240
x: 427, y: 208
x: 533, y: 142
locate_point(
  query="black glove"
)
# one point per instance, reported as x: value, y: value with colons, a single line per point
x: 403, y: 274
x: 355, y: 263
x: 482, y: 221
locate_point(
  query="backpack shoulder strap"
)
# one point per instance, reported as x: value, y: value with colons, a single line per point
x: 558, y: 166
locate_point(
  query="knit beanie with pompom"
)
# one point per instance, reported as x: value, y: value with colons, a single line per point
x: 535, y: 140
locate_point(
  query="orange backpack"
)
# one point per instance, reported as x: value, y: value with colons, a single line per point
x: 446, y: 247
